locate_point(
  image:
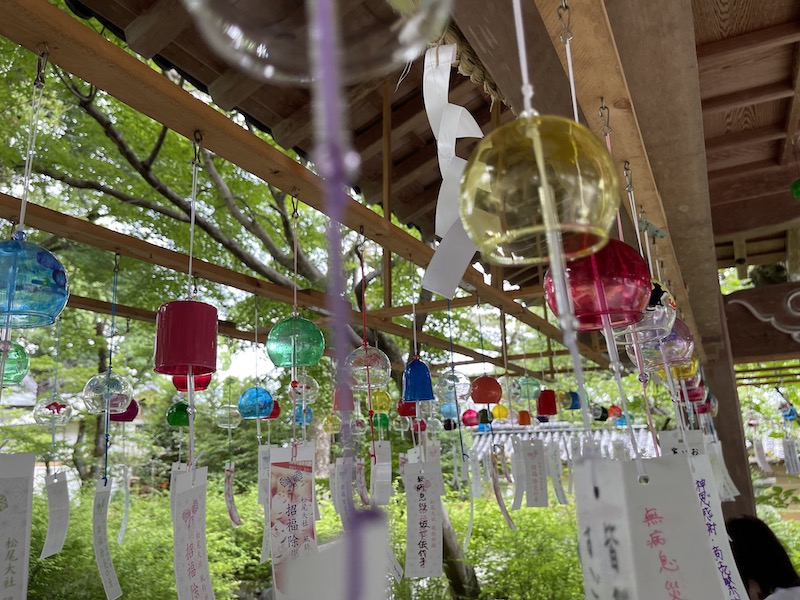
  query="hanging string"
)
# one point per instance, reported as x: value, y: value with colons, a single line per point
x: 197, y: 147
x: 413, y: 269
x: 605, y: 119
x: 464, y: 455
x: 295, y: 222
x: 566, y: 39
x: 43, y: 53
x: 255, y: 341
x: 626, y: 169
x: 55, y: 388
x: 370, y: 411
x: 107, y: 393
x: 527, y: 88
x: 643, y: 218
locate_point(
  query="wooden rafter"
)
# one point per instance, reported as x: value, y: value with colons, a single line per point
x: 728, y: 50
x: 757, y: 95
x: 87, y: 55
x: 767, y: 133
x: 155, y: 28
x: 793, y: 118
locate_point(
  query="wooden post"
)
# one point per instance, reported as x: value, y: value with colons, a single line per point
x: 387, y: 189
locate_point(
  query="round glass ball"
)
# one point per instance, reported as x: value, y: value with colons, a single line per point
x: 657, y: 320
x: 16, y: 364
x: 255, y: 403
x: 178, y: 415
x: 332, y: 424
x: 401, y: 424
x: 36, y: 282
x: 486, y: 390
x: 452, y: 385
x: 530, y: 388
x: 305, y: 388
x: 470, y: 418
x: 52, y: 411
x: 380, y: 421
x: 381, y: 401
x: 368, y: 367
x: 501, y: 187
x: 303, y: 415
x: 512, y: 389
x: 227, y: 416
x: 109, y: 385
x: 273, y: 45
x: 449, y: 410
x: 499, y: 412
x: 295, y: 342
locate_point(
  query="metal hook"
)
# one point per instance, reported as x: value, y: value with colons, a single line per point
x: 626, y: 169
x: 605, y: 117
x: 566, y: 33
x: 43, y: 54
x: 197, y: 146
x: 116, y: 262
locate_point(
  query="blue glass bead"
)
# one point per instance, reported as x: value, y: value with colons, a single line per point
x: 255, y: 403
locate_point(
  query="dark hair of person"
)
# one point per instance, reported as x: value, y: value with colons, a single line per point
x: 760, y: 556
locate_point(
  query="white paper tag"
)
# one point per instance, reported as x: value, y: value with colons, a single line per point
x: 345, y: 474
x: 57, y: 514
x: 498, y: 495
x: 230, y: 499
x: 604, y: 536
x: 424, y: 543
x: 263, y: 472
x: 16, y: 498
x: 292, y: 524
x: 126, y: 481
x: 554, y: 470
x: 332, y: 486
x: 380, y: 479
x: 190, y: 559
x: 361, y: 482
x: 711, y: 513
x: 761, y: 456
x: 177, y: 469
x: 790, y: 457
x: 674, y: 442
x: 727, y: 488
x: 434, y: 460
x: 535, y: 473
x: 619, y: 450
x: 519, y: 469
x: 102, y: 553
x: 477, y: 482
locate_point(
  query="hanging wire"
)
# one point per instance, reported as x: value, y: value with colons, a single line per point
x: 626, y: 169
x: 107, y: 393
x: 565, y: 18
x: 295, y: 222
x: 605, y: 119
x: 43, y: 53
x: 370, y: 411
x: 527, y: 88
x: 413, y: 269
x: 255, y: 342
x: 464, y: 455
x: 196, y: 159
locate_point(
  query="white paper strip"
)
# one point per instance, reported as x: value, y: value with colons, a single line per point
x: 434, y: 460
x: 177, y: 469
x: 292, y: 525
x: 498, y: 495
x: 345, y: 473
x: 263, y: 473
x: 554, y: 470
x: 535, y: 473
x: 230, y: 499
x: 126, y: 481
x: 424, y: 523
x: 16, y: 508
x: 447, y: 200
x: 761, y: 456
x: 380, y: 479
x: 727, y: 488
x: 452, y: 257
x: 477, y: 482
x: 192, y: 577
x: 675, y: 441
x: 519, y: 470
x: 711, y: 512
x: 790, y: 457
x: 102, y: 553
x: 57, y: 513
x: 361, y: 482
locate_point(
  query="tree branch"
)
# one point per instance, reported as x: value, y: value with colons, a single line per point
x: 162, y: 135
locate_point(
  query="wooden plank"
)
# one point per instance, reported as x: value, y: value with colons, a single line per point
x: 726, y: 51
x: 232, y: 88
x: 793, y: 251
x: 769, y: 370
x: 755, y: 216
x: 742, y: 156
x: 224, y: 328
x: 740, y: 257
x: 81, y: 51
x: 768, y: 133
x: 788, y: 148
x: 762, y: 166
x: 157, y: 27
x: 758, y: 95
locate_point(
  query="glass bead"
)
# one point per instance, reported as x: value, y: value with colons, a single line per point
x: 295, y: 342
x: 380, y: 421
x: 449, y: 410
x: 272, y: 45
x: 401, y: 424
x: 381, y: 401
x: 499, y: 200
x: 227, y: 416
x: 512, y: 389
x: 111, y: 385
x: 499, y: 412
x: 657, y: 321
x: 470, y: 418
x: 530, y: 388
x: 486, y: 390
x: 201, y: 382
x: 35, y: 279
x: 303, y: 415
x: 332, y: 424
x: 256, y: 403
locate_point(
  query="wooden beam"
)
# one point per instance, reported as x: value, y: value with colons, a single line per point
x: 793, y: 118
x: 760, y: 166
x: 157, y: 27
x: 102, y: 307
x: 231, y: 88
x: 753, y: 96
x: 728, y: 50
x: 740, y: 257
x: 84, y: 53
x: 755, y: 217
x: 766, y: 383
x: 793, y: 251
x: 767, y: 133
x: 768, y: 370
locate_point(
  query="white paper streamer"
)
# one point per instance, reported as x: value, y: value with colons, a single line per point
x: 380, y: 479
x: 126, y: 481
x: 16, y: 500
x: 475, y: 467
x: 57, y: 514
x: 498, y: 494
x: 102, y: 553
x: 554, y: 470
x: 519, y: 468
x: 434, y: 469
x: 761, y: 456
x: 790, y: 457
x: 192, y: 577
x: 535, y: 473
x: 361, y: 482
x: 177, y: 469
x: 230, y: 499
x: 263, y: 472
x: 424, y: 545
x: 728, y: 490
